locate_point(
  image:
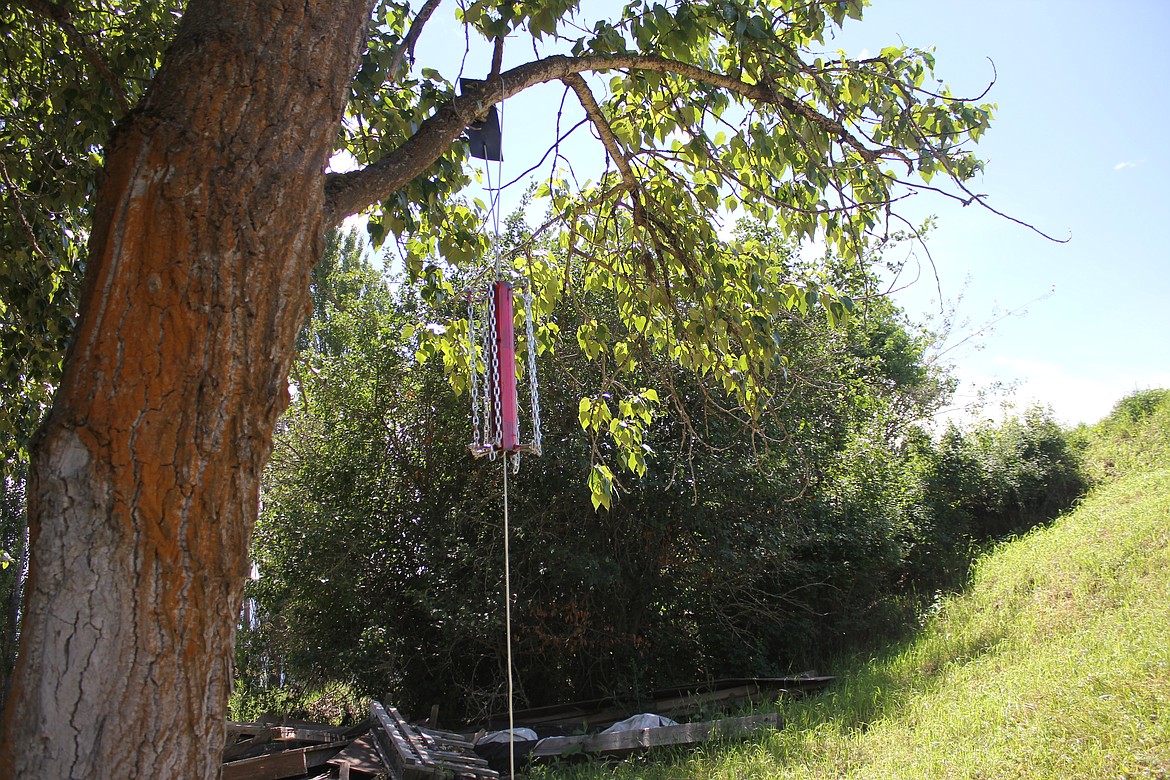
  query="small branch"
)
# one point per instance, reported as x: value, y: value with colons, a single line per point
x: 497, y: 56
x: 407, y: 45
x: 551, y: 149
x: 59, y: 15
x: 608, y: 139
x: 979, y: 199
x: 32, y: 238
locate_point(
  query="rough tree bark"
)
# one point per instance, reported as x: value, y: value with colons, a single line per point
x: 145, y: 476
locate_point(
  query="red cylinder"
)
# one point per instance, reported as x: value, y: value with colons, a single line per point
x: 506, y: 368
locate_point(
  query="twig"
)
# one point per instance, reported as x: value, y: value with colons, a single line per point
x: 407, y: 44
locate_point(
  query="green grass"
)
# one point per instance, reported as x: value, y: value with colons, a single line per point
x: 1053, y: 663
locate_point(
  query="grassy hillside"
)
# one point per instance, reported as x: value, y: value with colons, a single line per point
x: 1054, y: 662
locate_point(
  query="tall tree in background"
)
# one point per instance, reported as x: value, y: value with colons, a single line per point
x: 211, y: 207
x: 380, y: 551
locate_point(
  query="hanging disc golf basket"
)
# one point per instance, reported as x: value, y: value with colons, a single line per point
x: 493, y: 368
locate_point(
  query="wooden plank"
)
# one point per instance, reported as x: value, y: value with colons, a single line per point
x: 625, y: 742
x: 261, y: 741
x: 287, y: 763
x: 236, y: 729
x: 301, y: 734
x: 412, y: 753
x: 254, y: 744
x: 361, y: 756
x: 680, y: 700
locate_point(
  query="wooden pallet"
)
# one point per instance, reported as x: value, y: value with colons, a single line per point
x: 413, y: 753
x: 287, y: 763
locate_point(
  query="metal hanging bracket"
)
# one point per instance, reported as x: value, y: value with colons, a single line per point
x: 491, y: 358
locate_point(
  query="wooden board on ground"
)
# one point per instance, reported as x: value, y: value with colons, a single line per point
x: 360, y: 759
x: 287, y: 763
x: 677, y: 702
x: 622, y: 743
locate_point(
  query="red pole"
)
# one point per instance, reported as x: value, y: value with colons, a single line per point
x: 506, y: 344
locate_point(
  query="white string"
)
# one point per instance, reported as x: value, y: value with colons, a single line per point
x: 496, y: 193
x: 497, y: 197
x: 508, y: 627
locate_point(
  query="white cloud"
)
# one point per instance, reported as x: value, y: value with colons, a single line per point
x: 1121, y: 166
x: 1075, y: 396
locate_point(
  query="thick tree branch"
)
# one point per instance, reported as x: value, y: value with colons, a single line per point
x: 349, y: 193
x: 59, y: 15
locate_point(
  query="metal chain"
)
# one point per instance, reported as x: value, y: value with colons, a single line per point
x: 485, y: 397
x: 532, y: 383
x: 473, y: 376
x: 494, y: 334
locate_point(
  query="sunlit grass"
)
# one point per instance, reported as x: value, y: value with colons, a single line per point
x: 1054, y: 663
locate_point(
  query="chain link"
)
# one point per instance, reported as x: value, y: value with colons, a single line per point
x: 486, y: 399
x: 533, y: 385
x: 493, y: 334
x: 473, y: 377
x: 487, y: 424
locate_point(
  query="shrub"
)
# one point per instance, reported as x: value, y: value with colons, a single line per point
x: 1000, y: 479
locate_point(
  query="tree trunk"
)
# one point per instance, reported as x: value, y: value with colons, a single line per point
x: 145, y: 477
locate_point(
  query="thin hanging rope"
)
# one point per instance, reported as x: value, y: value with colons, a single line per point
x: 497, y: 197
x: 494, y: 213
x: 508, y: 627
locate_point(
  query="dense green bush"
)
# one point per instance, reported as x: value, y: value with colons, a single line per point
x: 995, y: 479
x: 1136, y: 408
x: 750, y: 547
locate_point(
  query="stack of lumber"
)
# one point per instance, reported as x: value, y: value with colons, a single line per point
x: 415, y: 753
x: 383, y: 746
x: 270, y: 750
x: 623, y: 743
x: 387, y: 746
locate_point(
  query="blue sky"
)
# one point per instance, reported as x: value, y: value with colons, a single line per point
x: 1076, y: 149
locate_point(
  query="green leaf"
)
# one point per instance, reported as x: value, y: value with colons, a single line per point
x: 601, y: 487
x: 585, y: 412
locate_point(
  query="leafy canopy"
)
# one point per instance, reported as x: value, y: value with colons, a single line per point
x: 706, y: 111
x: 380, y: 550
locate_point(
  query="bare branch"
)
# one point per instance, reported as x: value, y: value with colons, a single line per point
x: 560, y: 139
x: 416, y: 28
x: 980, y: 199
x: 14, y: 193
x: 608, y: 139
